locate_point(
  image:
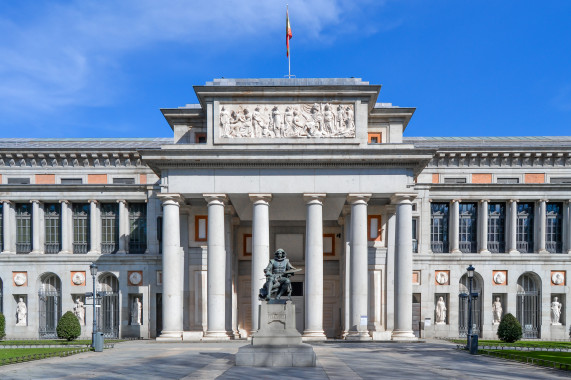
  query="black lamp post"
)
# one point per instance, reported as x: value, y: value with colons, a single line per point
x: 470, y: 273
x: 94, y: 337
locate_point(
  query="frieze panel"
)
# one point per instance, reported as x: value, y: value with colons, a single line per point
x: 501, y: 160
x: 271, y: 121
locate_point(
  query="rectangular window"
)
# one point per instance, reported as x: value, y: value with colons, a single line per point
x: 328, y: 244
x: 23, y: 227
x: 508, y: 180
x: 109, y: 227
x: 200, y: 138
x: 496, y: 227
x: 439, y: 227
x: 374, y: 227
x: 137, y: 227
x: 468, y: 227
x: 454, y: 180
x: 524, y: 236
x: 247, y: 244
x: 80, y: 212
x: 18, y: 181
x: 200, y: 228
x: 374, y: 138
x: 414, y: 235
x: 554, y: 217
x: 564, y: 180
x: 52, y: 221
x: 71, y: 181
x: 123, y: 181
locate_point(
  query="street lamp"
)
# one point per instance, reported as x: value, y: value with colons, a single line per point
x: 469, y: 344
x: 95, y: 338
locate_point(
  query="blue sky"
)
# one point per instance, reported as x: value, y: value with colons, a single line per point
x: 104, y: 68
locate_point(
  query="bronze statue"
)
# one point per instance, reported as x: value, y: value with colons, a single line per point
x: 278, y: 272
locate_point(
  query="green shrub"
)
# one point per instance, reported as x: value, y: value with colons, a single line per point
x: 2, y: 326
x: 68, y: 327
x: 509, y: 329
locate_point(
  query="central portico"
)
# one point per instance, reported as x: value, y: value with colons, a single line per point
x: 287, y: 163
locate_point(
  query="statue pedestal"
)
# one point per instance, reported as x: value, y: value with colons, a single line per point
x: 277, y: 343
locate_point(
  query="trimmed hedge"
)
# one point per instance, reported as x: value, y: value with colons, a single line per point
x: 68, y: 327
x: 509, y: 329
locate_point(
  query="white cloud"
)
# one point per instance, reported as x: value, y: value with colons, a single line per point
x: 62, y: 54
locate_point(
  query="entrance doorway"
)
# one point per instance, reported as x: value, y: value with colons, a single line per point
x: 50, y: 306
x: 476, y: 306
x: 108, y: 319
x: 528, y: 308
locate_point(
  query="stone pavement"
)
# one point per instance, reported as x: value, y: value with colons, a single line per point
x: 335, y: 360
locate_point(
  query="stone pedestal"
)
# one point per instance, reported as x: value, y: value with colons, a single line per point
x: 277, y: 343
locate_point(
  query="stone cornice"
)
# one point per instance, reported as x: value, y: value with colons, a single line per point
x: 43, y: 159
x: 501, y: 159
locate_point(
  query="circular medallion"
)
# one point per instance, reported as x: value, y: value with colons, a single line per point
x: 442, y: 278
x: 20, y: 279
x: 499, y: 278
x: 78, y: 278
x: 557, y: 278
x: 135, y: 278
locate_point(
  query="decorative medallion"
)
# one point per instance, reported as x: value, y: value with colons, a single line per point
x: 78, y: 278
x: 442, y: 277
x: 557, y: 278
x: 416, y: 277
x: 500, y: 277
x: 135, y: 278
x: 20, y: 278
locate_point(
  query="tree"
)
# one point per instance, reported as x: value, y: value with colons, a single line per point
x: 2, y: 326
x: 509, y: 329
x: 68, y: 327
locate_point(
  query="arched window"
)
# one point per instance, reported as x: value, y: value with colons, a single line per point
x: 50, y: 305
x: 108, y: 318
x: 464, y: 289
x: 529, y: 305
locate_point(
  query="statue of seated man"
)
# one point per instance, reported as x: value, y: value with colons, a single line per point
x: 278, y: 272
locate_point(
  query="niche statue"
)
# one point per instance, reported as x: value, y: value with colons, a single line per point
x: 278, y: 272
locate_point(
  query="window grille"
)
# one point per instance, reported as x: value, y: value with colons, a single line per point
x: 71, y: 181
x: 524, y: 236
x: 52, y: 218
x: 108, y: 320
x: 414, y: 235
x: 439, y: 227
x: 18, y: 181
x: 528, y: 307
x: 553, y: 241
x: 80, y: 227
x: 1, y: 226
x: 564, y: 180
x: 454, y: 180
x: 123, y: 181
x: 496, y: 227
x: 23, y: 228
x: 50, y: 306
x: 463, y: 306
x: 508, y: 180
x: 468, y: 227
x: 137, y: 227
x: 109, y: 228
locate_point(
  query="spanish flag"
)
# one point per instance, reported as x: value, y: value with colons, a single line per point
x: 288, y: 32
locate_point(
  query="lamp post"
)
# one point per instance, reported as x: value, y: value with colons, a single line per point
x: 95, y: 338
x: 470, y: 272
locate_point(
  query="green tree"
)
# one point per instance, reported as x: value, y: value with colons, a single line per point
x: 509, y: 329
x: 68, y: 326
x: 2, y: 326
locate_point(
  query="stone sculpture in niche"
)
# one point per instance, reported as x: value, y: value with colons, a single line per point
x: 136, y: 312
x: 555, y: 312
x: 21, y: 312
x: 497, y: 311
x: 79, y: 311
x: 278, y: 272
x: 317, y: 120
x: 440, y: 311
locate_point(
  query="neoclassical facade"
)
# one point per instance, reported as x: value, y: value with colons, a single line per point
x: 382, y: 226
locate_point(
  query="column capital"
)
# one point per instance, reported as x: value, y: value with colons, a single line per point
x: 170, y: 198
x: 122, y: 201
x: 65, y: 201
x: 314, y: 197
x: 484, y: 200
x: 262, y: 197
x: 358, y: 198
x: 215, y: 198
x: 543, y: 200
x: 93, y: 201
x: 35, y: 201
x: 455, y: 200
x: 6, y: 201
x: 403, y: 198
x: 513, y: 200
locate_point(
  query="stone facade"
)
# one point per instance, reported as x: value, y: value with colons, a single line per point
x: 384, y: 226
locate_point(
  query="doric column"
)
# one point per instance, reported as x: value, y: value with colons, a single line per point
x: 568, y: 225
x: 403, y: 268
x: 66, y: 227
x: 314, y: 267
x: 483, y: 231
x: 123, y: 227
x: 94, y: 227
x: 260, y: 249
x: 359, y: 267
x: 216, y: 268
x: 541, y: 224
x: 390, y: 268
x: 512, y: 227
x: 346, y: 272
x: 36, y: 231
x: 7, y: 227
x: 455, y: 226
x: 172, y: 269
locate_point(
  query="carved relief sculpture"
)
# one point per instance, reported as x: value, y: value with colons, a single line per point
x: 136, y: 312
x: 442, y: 278
x: 555, y: 312
x: 440, y: 311
x: 557, y: 278
x: 499, y: 278
x: 21, y: 312
x: 497, y: 311
x: 317, y: 120
x: 79, y: 311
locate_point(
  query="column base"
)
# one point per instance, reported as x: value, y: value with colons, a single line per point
x: 313, y: 335
x: 358, y: 336
x: 170, y: 336
x: 513, y: 252
x: 456, y: 251
x: 192, y: 336
x: 121, y: 253
x: 544, y: 252
x: 403, y: 335
x: 215, y: 336
x: 94, y: 253
x: 569, y: 252
x: 8, y: 253
x: 484, y: 252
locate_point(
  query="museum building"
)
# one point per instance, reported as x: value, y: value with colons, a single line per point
x: 382, y: 226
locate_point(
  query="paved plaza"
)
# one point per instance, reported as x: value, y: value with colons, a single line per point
x: 335, y: 361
